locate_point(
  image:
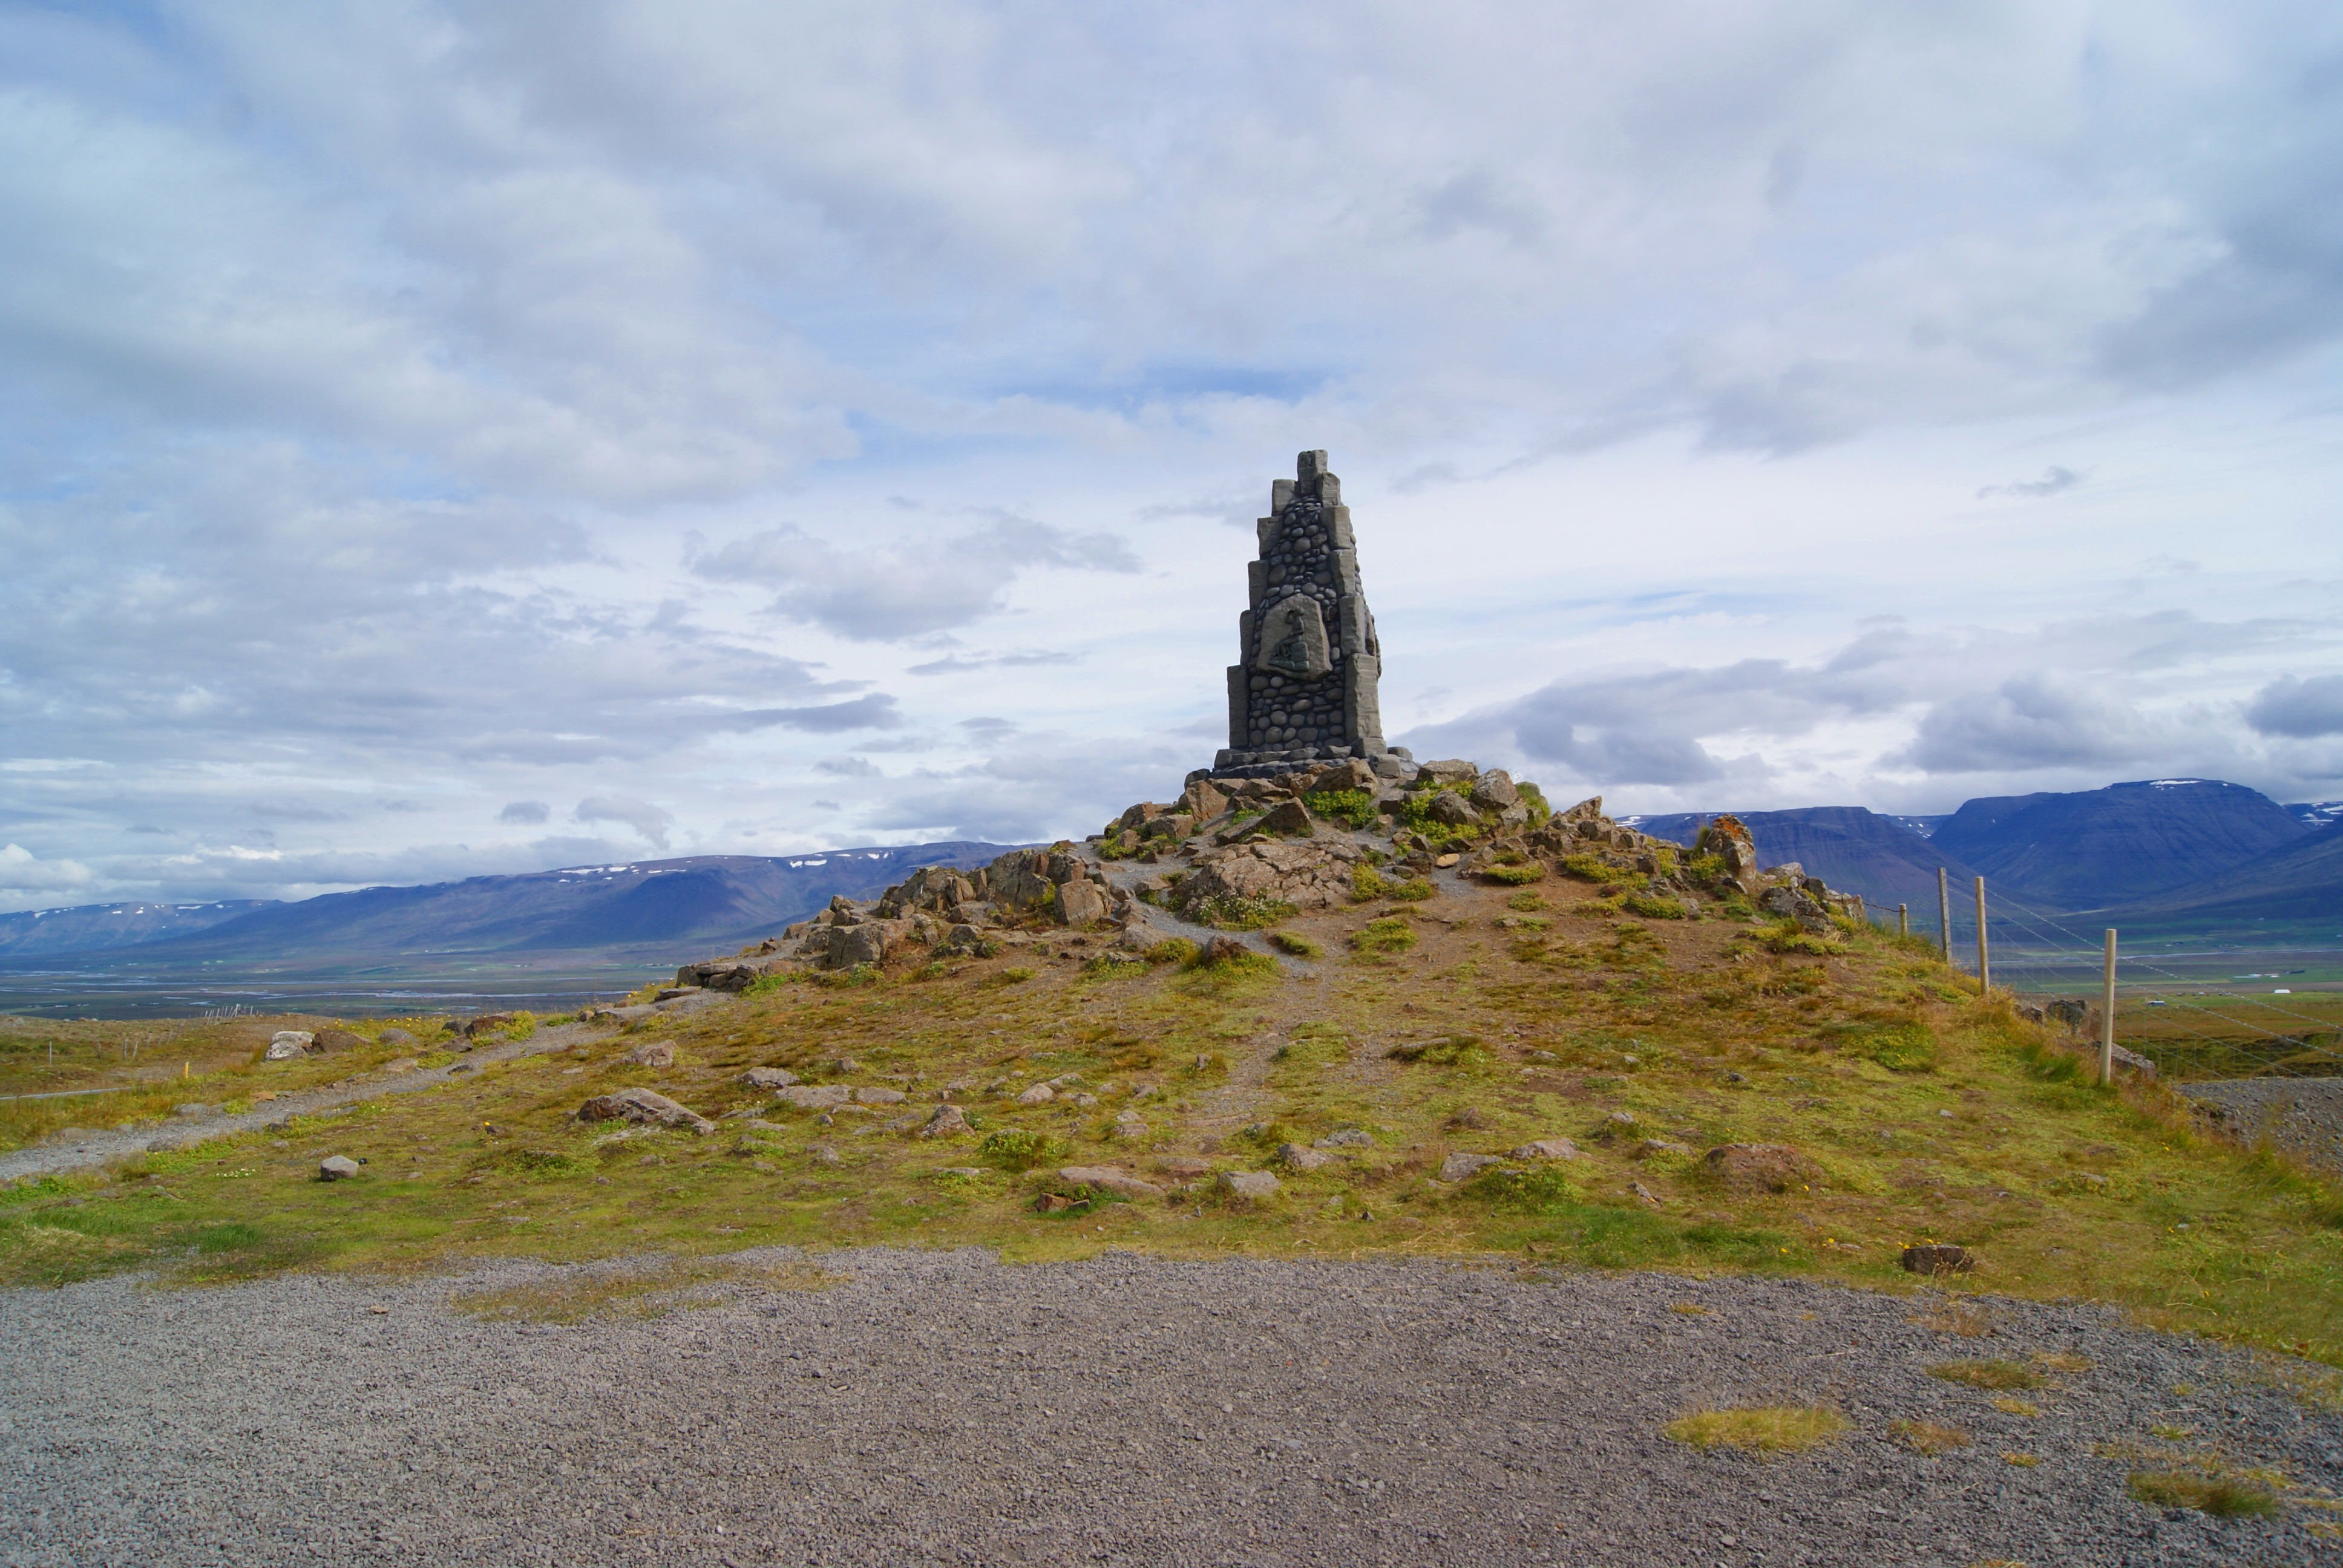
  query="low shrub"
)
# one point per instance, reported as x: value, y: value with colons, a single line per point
x: 1589, y: 867
x: 2223, y: 1497
x: 1414, y: 890
x: 1900, y: 1047
x: 1389, y: 935
x: 1789, y: 937
x: 1018, y: 1149
x: 1353, y: 809
x: 1526, y: 904
x: 1174, y: 950
x: 1516, y: 875
x: 1300, y: 946
x: 1231, y: 914
x: 1653, y: 907
x: 1541, y: 1190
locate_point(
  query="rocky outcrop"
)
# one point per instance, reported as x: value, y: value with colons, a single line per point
x: 1310, y: 875
x: 643, y: 1108
x: 1232, y: 846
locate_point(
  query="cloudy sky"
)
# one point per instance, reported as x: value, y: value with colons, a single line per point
x: 441, y: 439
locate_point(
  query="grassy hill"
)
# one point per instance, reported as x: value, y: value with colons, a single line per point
x: 1388, y: 1037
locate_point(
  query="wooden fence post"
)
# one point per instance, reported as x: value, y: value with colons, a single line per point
x: 2108, y: 1014
x: 1944, y: 915
x: 1985, y: 961
x: 1903, y: 920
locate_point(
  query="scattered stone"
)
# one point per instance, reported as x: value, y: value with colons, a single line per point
x: 1058, y: 1204
x: 287, y: 1043
x: 642, y: 1107
x: 403, y: 1064
x: 1347, y: 1138
x: 395, y: 1037
x: 823, y: 1154
x: 328, y: 1040
x: 1460, y: 1167
x: 1937, y: 1260
x: 845, y: 1064
x: 946, y: 1122
x: 193, y: 1108
x: 1128, y: 1129
x: 1248, y: 1184
x: 1443, y: 863
x: 336, y: 1168
x: 1293, y: 1157
x: 1794, y: 903
x: 1452, y: 811
x: 1645, y: 1194
x: 871, y: 1094
x: 1618, y: 1124
x: 1184, y: 1167
x: 768, y: 1078
x: 816, y: 1096
x: 1767, y: 1167
x: 1646, y: 1148
x: 652, y: 1053
x: 1109, y: 1179
x: 1546, y: 1149
x: 485, y: 1023
x: 1039, y: 1094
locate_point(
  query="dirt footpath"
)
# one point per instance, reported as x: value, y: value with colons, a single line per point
x: 941, y: 1408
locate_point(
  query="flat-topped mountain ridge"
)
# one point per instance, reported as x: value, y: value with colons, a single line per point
x: 641, y: 904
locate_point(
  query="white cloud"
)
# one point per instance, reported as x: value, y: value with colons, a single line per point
x: 399, y: 406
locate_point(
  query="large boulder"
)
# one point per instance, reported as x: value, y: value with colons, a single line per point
x: 643, y: 1108
x: 1082, y: 903
x: 1311, y: 874
x: 287, y: 1044
x: 1729, y: 841
x: 1452, y: 809
x: 1449, y: 771
x: 768, y: 1078
x: 329, y: 1041
x: 1792, y: 903
x: 1494, y: 791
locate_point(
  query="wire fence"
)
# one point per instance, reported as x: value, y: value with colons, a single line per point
x: 2184, y: 1025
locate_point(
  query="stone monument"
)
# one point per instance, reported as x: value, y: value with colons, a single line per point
x: 1303, y: 692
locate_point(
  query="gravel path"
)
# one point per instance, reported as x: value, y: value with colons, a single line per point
x: 941, y: 1408
x: 92, y: 1149
x: 2303, y: 1116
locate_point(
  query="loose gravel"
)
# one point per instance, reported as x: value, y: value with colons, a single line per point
x: 2303, y: 1116
x: 941, y: 1408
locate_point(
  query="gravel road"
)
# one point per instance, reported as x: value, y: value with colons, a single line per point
x: 941, y: 1408
x: 2303, y: 1116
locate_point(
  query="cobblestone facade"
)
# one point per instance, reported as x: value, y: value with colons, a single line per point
x: 1304, y: 690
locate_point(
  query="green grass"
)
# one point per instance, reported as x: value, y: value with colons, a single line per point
x: 2222, y: 1497
x: 2061, y: 1189
x: 1763, y: 1429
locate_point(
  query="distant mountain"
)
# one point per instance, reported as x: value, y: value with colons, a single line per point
x: 2316, y: 814
x: 96, y: 928
x: 661, y: 905
x: 2297, y: 885
x: 1852, y: 850
x: 2121, y: 845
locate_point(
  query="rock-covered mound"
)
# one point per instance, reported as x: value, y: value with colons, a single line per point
x: 1243, y: 852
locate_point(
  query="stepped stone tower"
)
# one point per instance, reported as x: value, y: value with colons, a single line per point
x: 1304, y: 689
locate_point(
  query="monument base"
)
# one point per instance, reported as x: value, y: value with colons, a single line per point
x: 1395, y: 763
